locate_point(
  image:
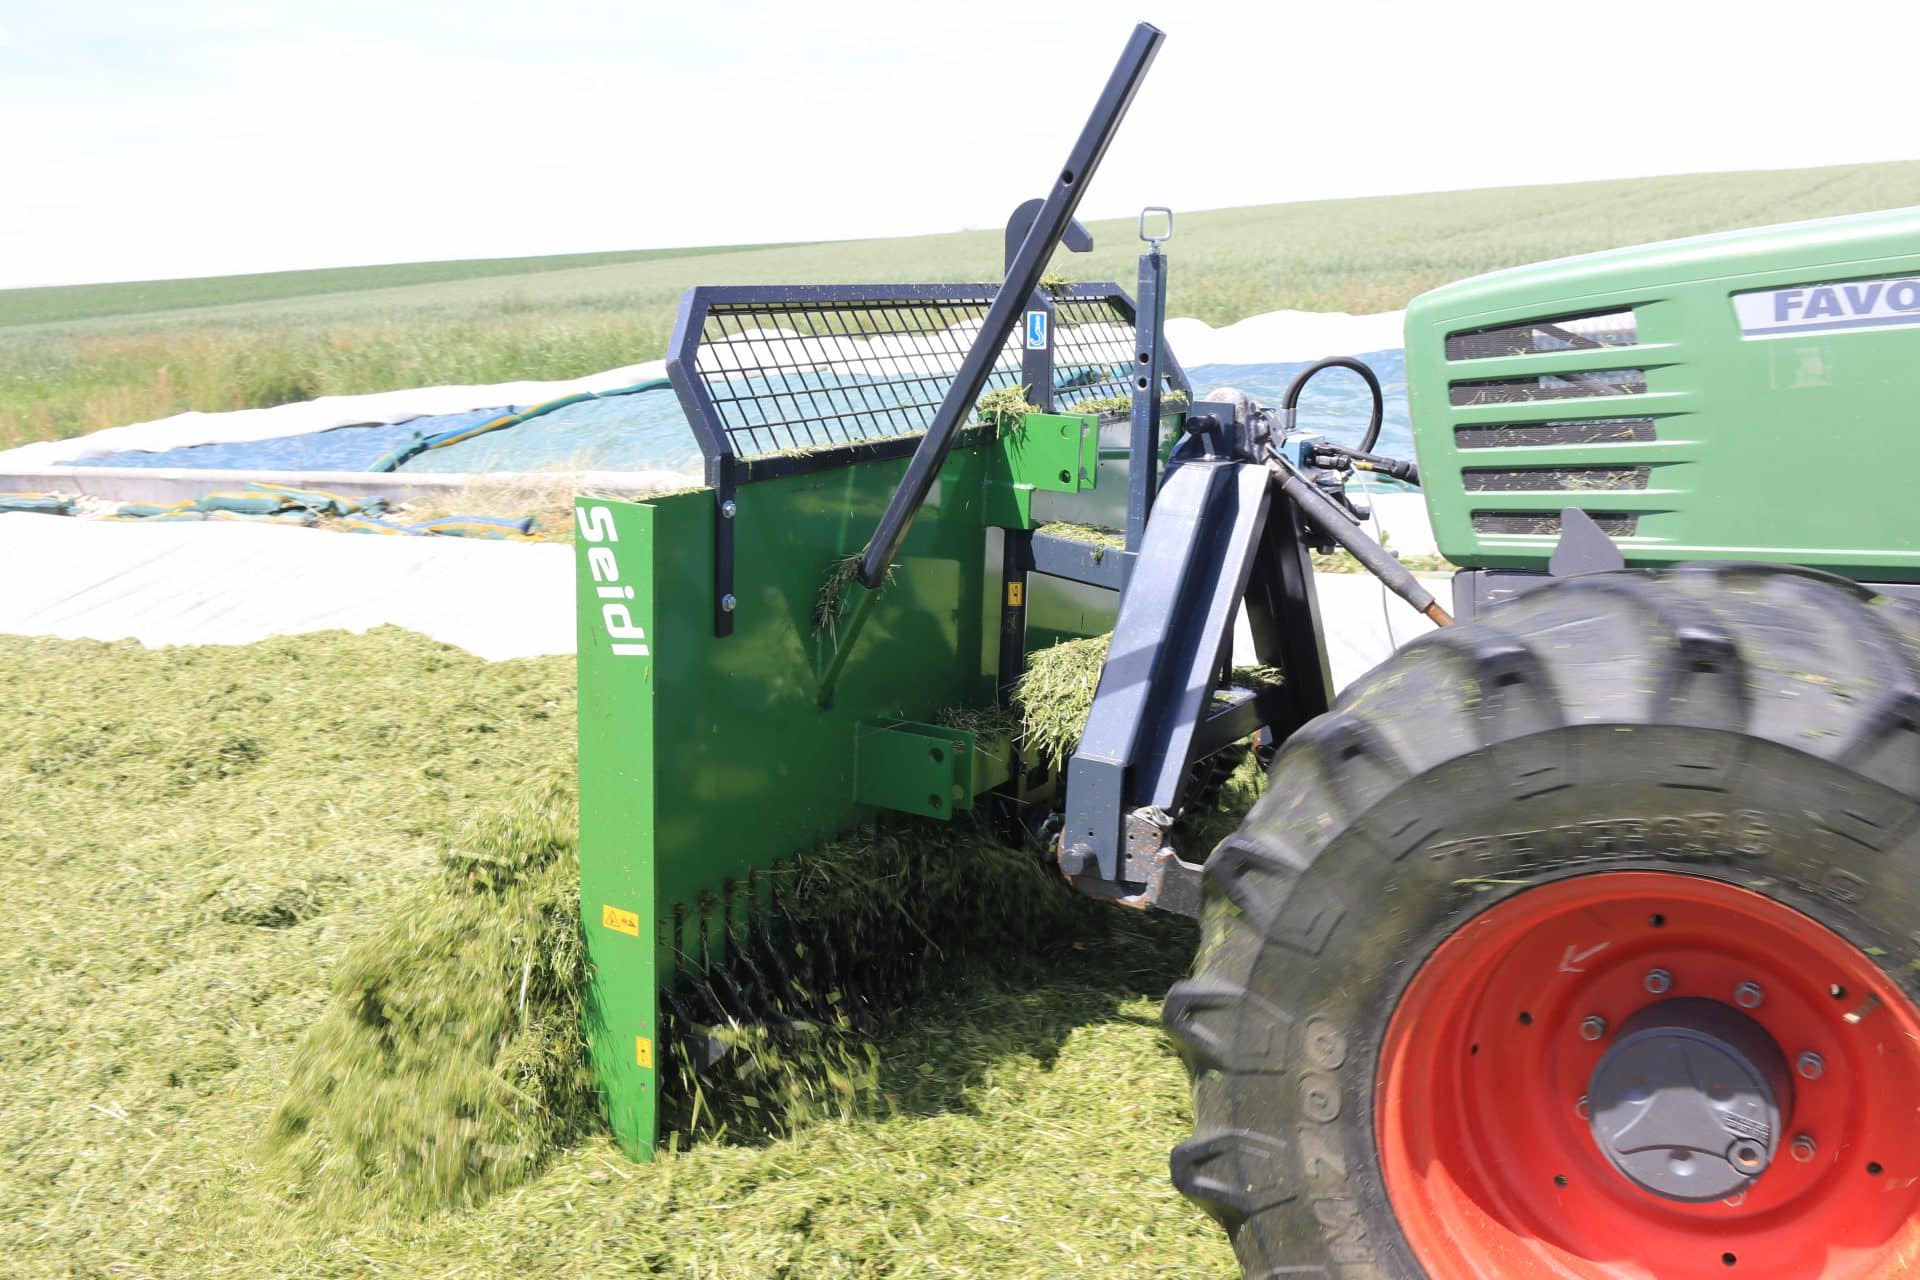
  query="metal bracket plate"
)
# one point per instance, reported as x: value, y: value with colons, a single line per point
x: 925, y: 769
x: 1044, y: 453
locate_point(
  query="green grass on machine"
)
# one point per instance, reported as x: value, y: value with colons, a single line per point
x: 80, y: 358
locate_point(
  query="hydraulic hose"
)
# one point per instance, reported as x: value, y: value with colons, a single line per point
x: 1289, y: 401
x: 1330, y: 520
x: 1399, y: 468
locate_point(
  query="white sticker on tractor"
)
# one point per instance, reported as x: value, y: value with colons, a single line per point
x: 626, y: 639
x: 1036, y: 331
x: 1811, y: 308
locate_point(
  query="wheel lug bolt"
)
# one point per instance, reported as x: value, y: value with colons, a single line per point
x: 1810, y: 1065
x: 1804, y: 1147
x: 1749, y: 995
x: 1592, y: 1027
x: 1659, y: 982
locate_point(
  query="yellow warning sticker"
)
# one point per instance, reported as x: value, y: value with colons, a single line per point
x: 642, y: 1051
x: 620, y: 921
x: 1016, y: 593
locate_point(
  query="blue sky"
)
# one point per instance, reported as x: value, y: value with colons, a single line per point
x: 199, y: 137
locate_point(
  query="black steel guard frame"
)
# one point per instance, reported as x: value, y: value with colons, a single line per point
x: 875, y: 367
x: 800, y: 378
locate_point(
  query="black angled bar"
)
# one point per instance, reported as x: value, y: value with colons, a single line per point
x: 1023, y: 277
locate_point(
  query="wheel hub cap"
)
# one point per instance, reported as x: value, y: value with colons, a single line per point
x: 1688, y: 1101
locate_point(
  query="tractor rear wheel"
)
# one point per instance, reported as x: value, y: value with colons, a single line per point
x: 1580, y: 942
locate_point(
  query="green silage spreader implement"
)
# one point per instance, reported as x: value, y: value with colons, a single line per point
x: 1579, y: 939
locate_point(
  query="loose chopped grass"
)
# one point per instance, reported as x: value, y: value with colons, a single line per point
x: 451, y: 1064
x: 1105, y: 406
x: 1003, y: 406
x: 1055, y: 693
x: 193, y: 840
x: 904, y: 907
x: 982, y: 722
x: 218, y: 860
x: 1100, y: 538
x: 833, y: 589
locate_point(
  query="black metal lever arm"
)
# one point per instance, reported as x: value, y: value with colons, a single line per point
x: 1023, y: 276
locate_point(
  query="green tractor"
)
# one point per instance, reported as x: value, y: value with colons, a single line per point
x: 1579, y: 939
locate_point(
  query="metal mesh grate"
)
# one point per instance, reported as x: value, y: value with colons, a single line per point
x: 806, y: 376
x: 1092, y: 351
x: 778, y: 370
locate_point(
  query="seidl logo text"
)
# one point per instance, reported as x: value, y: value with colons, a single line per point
x: 1813, y: 308
x: 626, y: 639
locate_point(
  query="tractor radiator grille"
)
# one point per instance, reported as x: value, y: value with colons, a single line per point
x: 1574, y: 431
x: 1549, y: 386
x: 1535, y: 479
x: 1616, y: 524
x: 1567, y: 333
x: 770, y: 370
x: 1550, y: 413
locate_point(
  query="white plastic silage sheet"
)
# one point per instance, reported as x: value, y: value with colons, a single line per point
x: 1363, y: 623
x: 1283, y: 337
x: 233, y: 583
x: 324, y: 414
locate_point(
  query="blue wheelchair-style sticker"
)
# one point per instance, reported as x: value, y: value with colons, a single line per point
x: 1036, y: 331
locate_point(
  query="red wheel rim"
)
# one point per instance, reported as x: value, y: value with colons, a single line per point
x: 1491, y: 1166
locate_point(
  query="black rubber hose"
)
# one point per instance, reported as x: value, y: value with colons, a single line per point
x: 1330, y: 520
x: 1299, y: 383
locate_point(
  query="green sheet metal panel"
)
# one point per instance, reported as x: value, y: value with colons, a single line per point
x: 704, y: 758
x: 616, y: 545
x: 1763, y: 408
x: 928, y: 770
x: 1044, y: 453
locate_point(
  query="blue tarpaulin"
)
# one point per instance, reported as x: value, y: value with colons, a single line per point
x: 341, y: 449
x: 630, y: 430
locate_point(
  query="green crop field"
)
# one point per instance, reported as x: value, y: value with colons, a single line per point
x: 80, y: 358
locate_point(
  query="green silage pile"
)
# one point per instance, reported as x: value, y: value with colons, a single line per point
x: 193, y: 843
x: 231, y: 873
x: 294, y: 980
x: 450, y: 1061
x: 902, y: 907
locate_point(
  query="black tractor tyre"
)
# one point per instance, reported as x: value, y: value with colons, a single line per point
x: 1752, y: 724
